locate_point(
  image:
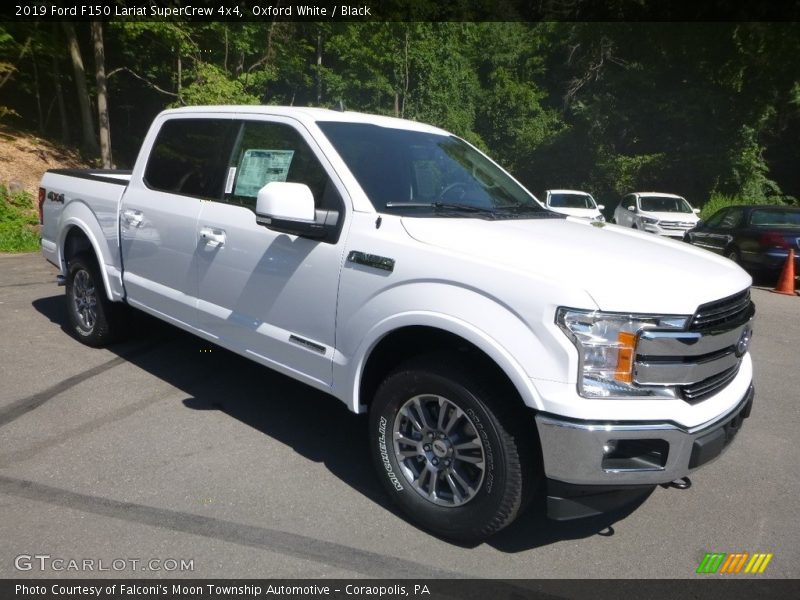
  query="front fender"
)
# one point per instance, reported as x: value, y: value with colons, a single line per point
x: 470, y: 314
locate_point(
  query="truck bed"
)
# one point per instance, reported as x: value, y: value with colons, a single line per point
x: 115, y: 176
x: 88, y: 198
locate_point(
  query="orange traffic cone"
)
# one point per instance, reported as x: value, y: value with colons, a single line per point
x: 786, y: 280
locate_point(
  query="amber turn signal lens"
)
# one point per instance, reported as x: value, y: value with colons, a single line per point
x: 625, y: 357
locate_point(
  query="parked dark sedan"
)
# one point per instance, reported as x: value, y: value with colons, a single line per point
x: 757, y: 237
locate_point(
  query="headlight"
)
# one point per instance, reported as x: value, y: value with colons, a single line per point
x: 606, y: 344
x: 600, y: 218
x: 649, y: 220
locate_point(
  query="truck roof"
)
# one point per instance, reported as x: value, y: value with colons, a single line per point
x: 662, y: 194
x: 308, y: 114
x: 569, y: 192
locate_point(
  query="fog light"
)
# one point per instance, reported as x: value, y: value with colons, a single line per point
x: 635, y: 455
x: 609, y: 447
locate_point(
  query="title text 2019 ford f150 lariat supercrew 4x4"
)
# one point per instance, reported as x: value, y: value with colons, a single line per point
x: 397, y: 268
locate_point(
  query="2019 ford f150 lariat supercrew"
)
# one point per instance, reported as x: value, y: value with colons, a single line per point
x: 397, y: 268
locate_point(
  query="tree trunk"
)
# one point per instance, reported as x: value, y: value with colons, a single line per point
x: 102, y: 94
x: 87, y: 123
x: 319, y: 69
x: 62, y: 109
x: 38, y: 94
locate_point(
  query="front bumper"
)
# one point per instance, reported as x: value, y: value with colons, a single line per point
x: 676, y: 231
x: 626, y: 454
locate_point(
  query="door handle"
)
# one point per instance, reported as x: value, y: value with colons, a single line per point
x: 212, y: 237
x: 133, y: 217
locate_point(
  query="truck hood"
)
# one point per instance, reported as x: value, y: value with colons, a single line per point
x: 675, y: 217
x: 621, y: 269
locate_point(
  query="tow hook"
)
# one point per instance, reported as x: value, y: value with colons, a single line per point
x: 684, y: 483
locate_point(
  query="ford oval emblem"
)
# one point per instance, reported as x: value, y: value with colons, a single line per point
x: 744, y: 341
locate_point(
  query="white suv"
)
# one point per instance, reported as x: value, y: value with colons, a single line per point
x: 663, y: 214
x: 574, y: 204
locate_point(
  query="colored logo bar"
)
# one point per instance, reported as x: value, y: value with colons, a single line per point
x: 733, y: 563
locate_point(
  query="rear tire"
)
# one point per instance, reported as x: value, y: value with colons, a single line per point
x: 94, y: 320
x: 453, y: 452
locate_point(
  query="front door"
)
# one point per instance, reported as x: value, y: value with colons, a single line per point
x: 270, y: 295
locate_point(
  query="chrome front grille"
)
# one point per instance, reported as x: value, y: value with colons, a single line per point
x: 675, y: 225
x: 709, y: 387
x: 721, y: 312
x: 703, y: 358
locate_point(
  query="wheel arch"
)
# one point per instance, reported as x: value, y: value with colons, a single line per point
x: 404, y: 342
x: 78, y: 239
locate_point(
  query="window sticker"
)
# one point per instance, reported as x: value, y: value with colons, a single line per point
x: 229, y: 181
x: 260, y: 167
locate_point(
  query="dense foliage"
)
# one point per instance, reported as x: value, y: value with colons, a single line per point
x: 691, y: 108
x: 18, y: 223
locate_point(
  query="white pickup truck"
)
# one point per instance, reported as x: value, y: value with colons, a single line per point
x: 500, y: 352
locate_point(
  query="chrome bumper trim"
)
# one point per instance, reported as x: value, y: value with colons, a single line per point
x: 573, y: 450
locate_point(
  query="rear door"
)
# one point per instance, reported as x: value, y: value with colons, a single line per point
x: 159, y: 212
x: 270, y: 295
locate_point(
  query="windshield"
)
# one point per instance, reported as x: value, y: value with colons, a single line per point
x: 562, y: 200
x: 425, y: 174
x: 664, y: 204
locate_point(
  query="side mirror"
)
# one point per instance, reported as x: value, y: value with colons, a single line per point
x: 601, y: 207
x: 285, y: 202
x: 631, y: 208
x: 289, y: 208
x: 696, y: 211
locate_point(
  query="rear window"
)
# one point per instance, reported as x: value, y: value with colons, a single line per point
x: 559, y: 200
x: 775, y: 218
x: 190, y: 157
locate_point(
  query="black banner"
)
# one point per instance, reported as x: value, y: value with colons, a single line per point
x: 399, y: 10
x: 712, y: 588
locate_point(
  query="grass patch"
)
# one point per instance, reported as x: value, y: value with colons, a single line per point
x: 18, y: 222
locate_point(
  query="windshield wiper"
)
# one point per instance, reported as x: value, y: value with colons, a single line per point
x: 532, y: 211
x: 446, y: 206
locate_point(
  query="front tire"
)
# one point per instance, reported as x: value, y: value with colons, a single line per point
x: 451, y: 450
x: 94, y: 320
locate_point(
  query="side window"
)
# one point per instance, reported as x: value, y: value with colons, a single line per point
x: 732, y: 219
x: 268, y: 152
x: 189, y: 157
x: 716, y: 219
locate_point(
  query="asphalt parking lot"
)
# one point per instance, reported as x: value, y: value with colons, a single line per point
x: 165, y: 448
